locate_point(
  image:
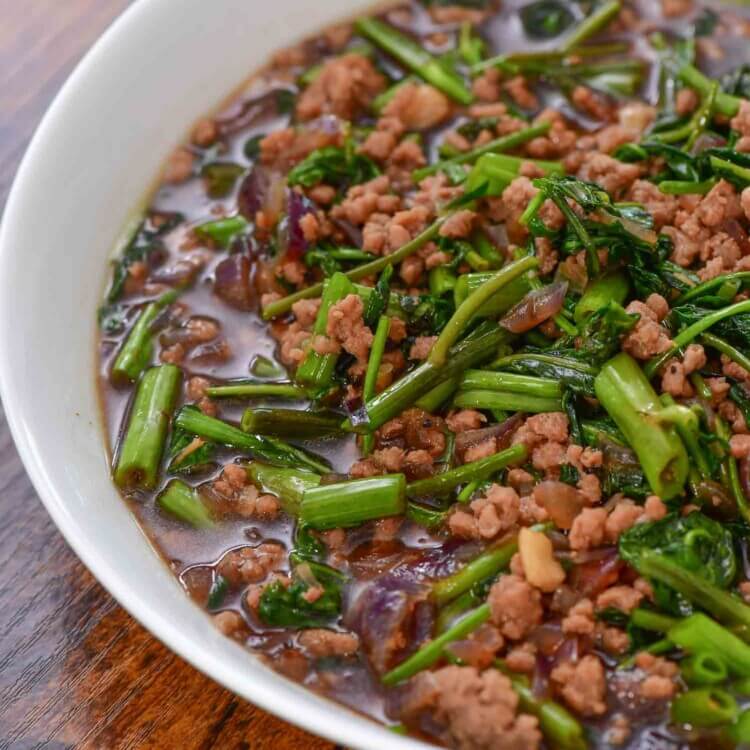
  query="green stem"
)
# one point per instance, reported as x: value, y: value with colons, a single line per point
x: 415, y: 384
x: 136, y: 352
x: 334, y: 506
x: 254, y: 389
x: 724, y: 347
x: 143, y: 445
x: 684, y: 187
x: 684, y: 337
x: 613, y: 286
x: 726, y: 104
x: 732, y: 472
x: 687, y: 427
x: 442, y: 484
x: 507, y: 401
x: 317, y: 369
x: 646, y: 619
x: 373, y: 367
x: 415, y: 57
x: 700, y: 290
x: 487, y: 565
x: 434, y: 399
x: 473, y: 303
x: 194, y: 422
x: 704, y: 668
x: 488, y: 380
x: 627, y: 396
x: 185, y: 504
x: 595, y: 23
x: 700, y: 634
x: 291, y: 423
x: 505, y: 143
x: 727, y: 167
x: 451, y: 612
x: 282, y: 306
x: 432, y: 651
x: 705, y: 708
x: 499, y: 303
x: 288, y: 485
x: 722, y: 605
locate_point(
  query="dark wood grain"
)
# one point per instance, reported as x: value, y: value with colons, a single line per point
x: 75, y: 670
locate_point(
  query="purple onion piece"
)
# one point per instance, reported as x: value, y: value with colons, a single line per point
x: 536, y: 307
x: 233, y: 282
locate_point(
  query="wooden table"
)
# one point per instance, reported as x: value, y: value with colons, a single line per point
x: 75, y: 670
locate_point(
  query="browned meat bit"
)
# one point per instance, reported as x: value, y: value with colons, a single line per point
x: 384, y: 234
x: 545, y: 435
x: 180, y: 166
x: 661, y: 676
x: 306, y: 310
x: 418, y: 106
x: 593, y: 104
x: 514, y: 201
x: 611, y: 174
x: 516, y: 606
x: 422, y: 347
x: 487, y: 86
x: 721, y: 203
x: 675, y: 378
x: 619, y: 730
x: 344, y: 87
x: 459, y: 225
x: 230, y: 622
x: 467, y: 419
x: 404, y: 159
x: 582, y: 685
x: 251, y: 564
x: 205, y: 132
x: 741, y: 121
x: 674, y: 8
x: 687, y: 102
x: 522, y: 658
x: 362, y: 201
x: 434, y: 192
x: 195, y: 390
x: 346, y: 326
x: 648, y: 338
x: 580, y: 619
x: 470, y: 710
x: 284, y: 148
x: 522, y: 95
x: 320, y: 643
x: 740, y: 445
x: 661, y: 206
x: 489, y: 516
x: 624, y: 598
x: 588, y: 529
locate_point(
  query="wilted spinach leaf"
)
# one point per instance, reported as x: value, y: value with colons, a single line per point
x: 333, y: 165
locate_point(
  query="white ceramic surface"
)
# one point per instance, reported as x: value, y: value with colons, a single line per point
x: 157, y: 69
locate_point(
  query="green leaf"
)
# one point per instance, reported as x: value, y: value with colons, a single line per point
x: 332, y: 165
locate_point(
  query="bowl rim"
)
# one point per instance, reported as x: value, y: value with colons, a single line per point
x: 307, y: 713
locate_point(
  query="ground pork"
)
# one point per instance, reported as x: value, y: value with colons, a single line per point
x: 404, y: 159
x: 229, y: 622
x: 661, y: 206
x: 321, y: 643
x: 648, y: 338
x: 488, y: 516
x: 251, y: 564
x: 675, y: 378
x: 464, y: 420
x: 580, y: 619
x: 514, y: 201
x: 284, y: 148
x: 345, y: 86
x: 306, y: 310
x: 422, y: 347
x: 721, y: 203
x: 624, y: 598
x: 459, y: 225
x: 611, y: 174
x: 741, y: 121
x: 587, y: 530
x: 418, y: 106
x: 384, y: 234
x: 346, y: 326
x: 582, y: 685
x: 516, y: 606
x: 661, y: 676
x: 675, y: 8
x: 470, y: 710
x: 362, y: 201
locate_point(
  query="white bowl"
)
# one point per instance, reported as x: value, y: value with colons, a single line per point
x: 90, y: 164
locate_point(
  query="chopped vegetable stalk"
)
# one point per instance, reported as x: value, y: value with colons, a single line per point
x: 510, y: 401
x: 505, y: 143
x: 707, y: 287
x: 473, y: 303
x: 629, y: 399
x: 442, y: 484
x: 732, y: 471
x: 274, y: 451
x: 404, y: 392
x: 725, y: 104
x: 647, y: 619
x: 143, y: 445
x: 705, y: 708
x: 274, y: 309
x: 434, y: 399
x: 288, y: 485
x: 593, y: 24
x: 704, y: 668
x: 184, y: 503
x: 345, y: 504
x: 499, y: 303
x: 136, y: 352
x: 373, y: 367
x: 291, y: 423
x: 432, y: 651
x: 415, y: 57
x: 255, y: 389
x: 317, y: 369
x: 222, y: 231
x: 487, y: 380
x: 486, y: 565
x: 610, y: 287
x: 559, y: 727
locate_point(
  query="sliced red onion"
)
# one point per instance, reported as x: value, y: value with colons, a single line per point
x: 298, y: 206
x: 233, y: 282
x: 500, y: 431
x: 536, y: 307
x: 562, y: 502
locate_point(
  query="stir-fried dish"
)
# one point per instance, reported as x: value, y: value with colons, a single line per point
x: 428, y: 371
